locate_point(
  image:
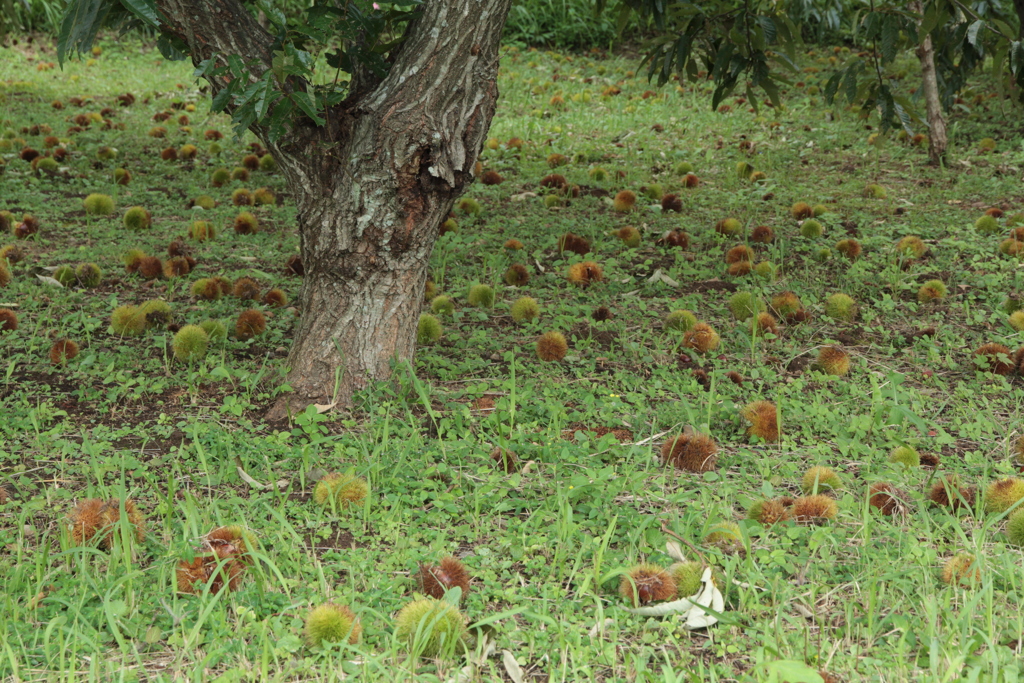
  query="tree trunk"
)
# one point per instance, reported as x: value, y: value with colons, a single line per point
x: 937, y: 140
x: 373, y: 185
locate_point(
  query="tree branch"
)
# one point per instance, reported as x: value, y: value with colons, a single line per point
x: 438, y: 60
x: 218, y: 27
x: 988, y: 24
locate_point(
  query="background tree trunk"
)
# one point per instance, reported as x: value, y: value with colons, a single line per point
x: 373, y: 185
x: 937, y: 139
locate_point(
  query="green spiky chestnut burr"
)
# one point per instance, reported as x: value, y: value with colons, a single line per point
x: 1015, y: 527
x: 841, y: 307
x: 332, y: 623
x: 1016, y: 321
x: 215, y: 330
x: 442, y: 305
x: 88, y: 275
x: 470, y: 206
x: 127, y: 321
x: 680, y: 320
x: 811, y: 229
x: 137, y: 218
x: 525, y: 309
x: 340, y: 490
x: 428, y: 329
x: 745, y: 305
x: 687, y: 576
x: 818, y: 479
x: 190, y: 343
x: 65, y: 275
x: 481, y: 296
x: 987, y: 225
x: 906, y: 456
x: 431, y: 627
x: 874, y: 191
x: 98, y: 204
x: 1001, y: 495
x: 933, y: 290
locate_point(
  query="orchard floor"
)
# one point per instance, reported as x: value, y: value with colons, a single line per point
x: 859, y: 596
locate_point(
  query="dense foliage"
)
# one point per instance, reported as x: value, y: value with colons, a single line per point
x: 739, y: 45
x: 564, y: 24
x: 751, y: 46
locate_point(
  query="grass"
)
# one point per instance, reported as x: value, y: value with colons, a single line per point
x: 859, y: 597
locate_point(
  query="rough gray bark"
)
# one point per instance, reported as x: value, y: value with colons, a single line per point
x: 372, y: 185
x: 937, y: 139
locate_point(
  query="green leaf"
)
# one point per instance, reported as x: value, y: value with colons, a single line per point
x: 759, y: 68
x: 752, y: 99
x: 118, y: 608
x: 721, y: 92
x: 890, y: 38
x: 1017, y: 58
x: 243, y: 117
x: 338, y: 60
x: 789, y: 35
x: 307, y: 104
x: 171, y: 48
x: 247, y: 95
x: 622, y: 21
x: 264, y: 96
x: 8, y: 20
x: 221, y: 99
x: 289, y: 643
x: 887, y: 106
x: 791, y: 671
x: 972, y: 33
x: 236, y: 66
x: 914, y: 419
x: 668, y: 58
x: 274, y: 14
x: 786, y: 61
x: 301, y: 60
x: 683, y: 47
x: 145, y: 10
x: 929, y: 21
x: 82, y: 21
x: 208, y: 68
x: 904, y: 117
x: 722, y: 59
x: 1004, y: 28
x: 333, y: 97
x: 850, y: 83
x: 832, y: 87
x: 773, y: 91
x: 280, y: 117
